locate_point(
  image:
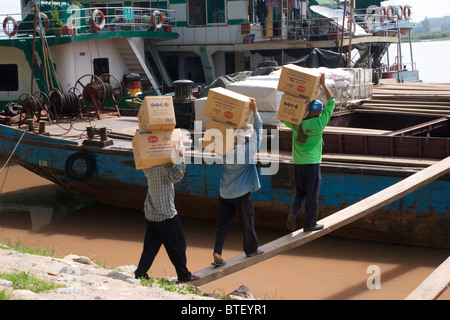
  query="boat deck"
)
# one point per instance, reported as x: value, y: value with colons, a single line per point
x: 369, y: 134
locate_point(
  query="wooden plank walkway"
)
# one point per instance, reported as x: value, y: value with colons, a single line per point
x: 331, y: 223
x: 434, y: 285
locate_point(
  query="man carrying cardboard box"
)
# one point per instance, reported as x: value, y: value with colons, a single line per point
x: 163, y: 223
x: 238, y: 181
x: 307, y: 155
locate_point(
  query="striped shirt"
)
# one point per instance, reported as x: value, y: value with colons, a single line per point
x: 159, y: 204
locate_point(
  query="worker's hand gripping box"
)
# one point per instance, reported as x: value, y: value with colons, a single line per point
x: 156, y: 113
x: 299, y: 81
x: 151, y: 148
x: 228, y: 107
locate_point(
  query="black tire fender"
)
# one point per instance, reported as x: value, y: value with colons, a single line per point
x: 80, y: 166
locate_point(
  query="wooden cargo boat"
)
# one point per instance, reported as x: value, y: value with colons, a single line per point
x: 359, y: 159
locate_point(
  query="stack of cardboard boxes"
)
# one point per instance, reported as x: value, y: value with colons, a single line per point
x: 300, y: 86
x: 154, y: 141
x: 228, y: 111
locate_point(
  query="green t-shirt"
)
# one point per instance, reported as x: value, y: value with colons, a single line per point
x: 310, y: 152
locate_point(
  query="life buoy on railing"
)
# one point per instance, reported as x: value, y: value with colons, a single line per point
x: 94, y: 19
x: 390, y: 13
x: 79, y: 166
x: 45, y: 22
x: 161, y: 18
x: 5, y: 26
x: 383, y: 14
x: 407, y: 12
x: 400, y: 12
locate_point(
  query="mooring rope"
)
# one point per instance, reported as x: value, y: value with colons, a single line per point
x: 9, y: 159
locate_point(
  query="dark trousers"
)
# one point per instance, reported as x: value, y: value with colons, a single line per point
x: 170, y: 234
x: 307, y: 186
x: 246, y: 213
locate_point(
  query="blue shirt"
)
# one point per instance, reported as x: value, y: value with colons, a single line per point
x: 239, y: 173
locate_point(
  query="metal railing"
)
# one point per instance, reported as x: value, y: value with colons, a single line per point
x: 87, y: 20
x: 314, y: 29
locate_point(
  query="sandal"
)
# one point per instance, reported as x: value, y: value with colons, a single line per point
x: 259, y: 251
x: 218, y: 261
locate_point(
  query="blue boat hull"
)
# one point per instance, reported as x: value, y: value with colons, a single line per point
x: 421, y: 218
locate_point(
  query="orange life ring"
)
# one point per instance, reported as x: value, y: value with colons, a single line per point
x: 5, y: 25
x: 400, y: 11
x: 43, y: 19
x: 407, y: 12
x: 383, y: 14
x: 161, y: 17
x: 94, y: 17
x: 390, y: 13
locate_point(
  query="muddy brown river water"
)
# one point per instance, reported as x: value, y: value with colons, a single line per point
x: 40, y: 214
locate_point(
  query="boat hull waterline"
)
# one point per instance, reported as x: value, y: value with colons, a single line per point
x: 109, y: 176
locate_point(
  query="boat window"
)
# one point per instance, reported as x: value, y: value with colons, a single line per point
x: 216, y: 11
x: 206, y: 12
x: 101, y: 66
x: 9, y: 81
x: 159, y: 4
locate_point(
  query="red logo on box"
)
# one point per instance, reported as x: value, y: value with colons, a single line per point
x: 152, y: 139
x: 229, y: 114
x: 300, y: 88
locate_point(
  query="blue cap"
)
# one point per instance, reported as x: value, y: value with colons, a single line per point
x: 315, y: 105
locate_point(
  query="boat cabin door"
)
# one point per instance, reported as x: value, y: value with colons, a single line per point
x: 83, y: 64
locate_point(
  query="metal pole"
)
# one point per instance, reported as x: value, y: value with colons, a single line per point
x: 399, y: 51
x: 350, y: 30
x: 341, y: 49
x: 33, y: 62
x: 411, y: 52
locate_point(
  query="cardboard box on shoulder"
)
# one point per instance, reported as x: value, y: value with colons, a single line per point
x: 218, y: 137
x: 292, y: 109
x: 151, y: 148
x: 157, y: 113
x: 299, y: 81
x: 228, y: 107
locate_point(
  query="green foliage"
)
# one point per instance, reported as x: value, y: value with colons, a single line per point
x: 431, y: 29
x: 19, y: 247
x: 6, y: 295
x: 172, y: 286
x: 26, y: 281
x: 429, y: 36
x: 56, y: 22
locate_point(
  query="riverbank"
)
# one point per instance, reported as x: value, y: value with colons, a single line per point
x: 81, y: 279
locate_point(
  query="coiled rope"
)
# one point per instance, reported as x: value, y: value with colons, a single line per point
x: 64, y: 103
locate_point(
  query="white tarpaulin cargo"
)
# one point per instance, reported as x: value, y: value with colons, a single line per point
x: 264, y: 91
